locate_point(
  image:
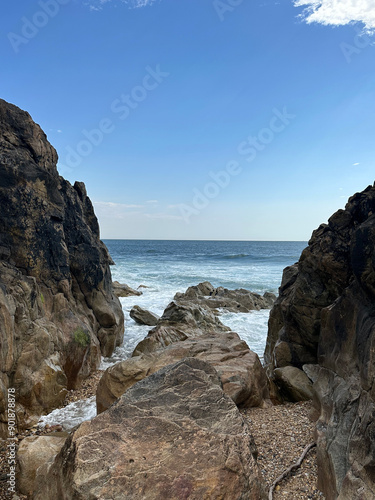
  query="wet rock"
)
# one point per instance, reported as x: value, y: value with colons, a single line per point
x: 179, y: 322
x: 241, y: 300
x: 123, y: 290
x: 173, y: 435
x: 143, y: 317
x: 241, y: 374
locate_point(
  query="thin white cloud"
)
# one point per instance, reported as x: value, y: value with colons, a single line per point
x: 164, y: 216
x: 110, y: 204
x: 154, y: 202
x: 97, y: 5
x: 355, y: 164
x: 338, y: 12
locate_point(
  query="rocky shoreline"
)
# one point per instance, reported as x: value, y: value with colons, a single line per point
x: 269, y: 427
x: 192, y: 414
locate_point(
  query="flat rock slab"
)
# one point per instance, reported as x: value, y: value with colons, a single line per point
x: 174, y: 435
x: 240, y: 371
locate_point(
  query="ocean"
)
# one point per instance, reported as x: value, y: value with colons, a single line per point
x: 168, y: 267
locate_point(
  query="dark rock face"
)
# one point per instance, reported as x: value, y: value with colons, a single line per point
x: 325, y: 315
x: 57, y: 309
x: 174, y: 435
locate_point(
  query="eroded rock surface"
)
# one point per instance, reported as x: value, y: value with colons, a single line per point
x: 34, y: 452
x: 58, y: 313
x: 143, y: 317
x: 173, y: 435
x: 325, y: 317
x: 240, y: 371
x: 180, y: 322
x: 241, y: 300
x: 123, y: 290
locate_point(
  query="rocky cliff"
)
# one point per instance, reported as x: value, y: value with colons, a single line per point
x: 324, y: 322
x: 58, y: 313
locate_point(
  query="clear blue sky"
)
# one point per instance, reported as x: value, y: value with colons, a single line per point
x: 183, y: 90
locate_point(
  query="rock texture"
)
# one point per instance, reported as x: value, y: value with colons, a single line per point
x: 57, y: 310
x: 180, y: 322
x: 123, y: 290
x: 34, y: 452
x: 240, y: 371
x: 205, y: 295
x: 173, y: 435
x: 143, y: 317
x: 325, y: 315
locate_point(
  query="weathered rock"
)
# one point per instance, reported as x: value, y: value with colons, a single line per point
x: 325, y: 315
x: 241, y: 300
x: 293, y: 383
x: 180, y: 322
x: 173, y: 435
x: 57, y: 310
x: 143, y: 317
x: 123, y: 290
x: 33, y: 453
x: 240, y: 371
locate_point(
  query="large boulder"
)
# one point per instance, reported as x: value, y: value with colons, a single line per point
x: 240, y: 371
x: 34, y: 452
x: 241, y: 300
x: 58, y: 313
x: 173, y: 435
x: 143, y: 317
x: 180, y: 322
x: 123, y: 290
x: 325, y: 316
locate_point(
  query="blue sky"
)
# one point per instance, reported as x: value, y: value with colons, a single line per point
x: 197, y: 119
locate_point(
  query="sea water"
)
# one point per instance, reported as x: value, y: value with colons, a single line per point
x: 168, y: 267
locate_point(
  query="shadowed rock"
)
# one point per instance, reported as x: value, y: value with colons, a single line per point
x: 325, y: 317
x: 57, y: 310
x: 143, y: 317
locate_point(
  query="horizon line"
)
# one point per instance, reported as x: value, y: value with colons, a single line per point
x: 191, y: 239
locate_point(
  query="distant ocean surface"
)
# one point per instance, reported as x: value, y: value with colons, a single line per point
x: 167, y: 267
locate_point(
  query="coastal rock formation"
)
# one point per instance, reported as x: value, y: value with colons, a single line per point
x: 173, y: 435
x: 58, y: 313
x: 325, y: 315
x: 33, y: 453
x: 143, y: 317
x: 205, y: 295
x: 179, y: 322
x: 123, y: 290
x: 240, y: 371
